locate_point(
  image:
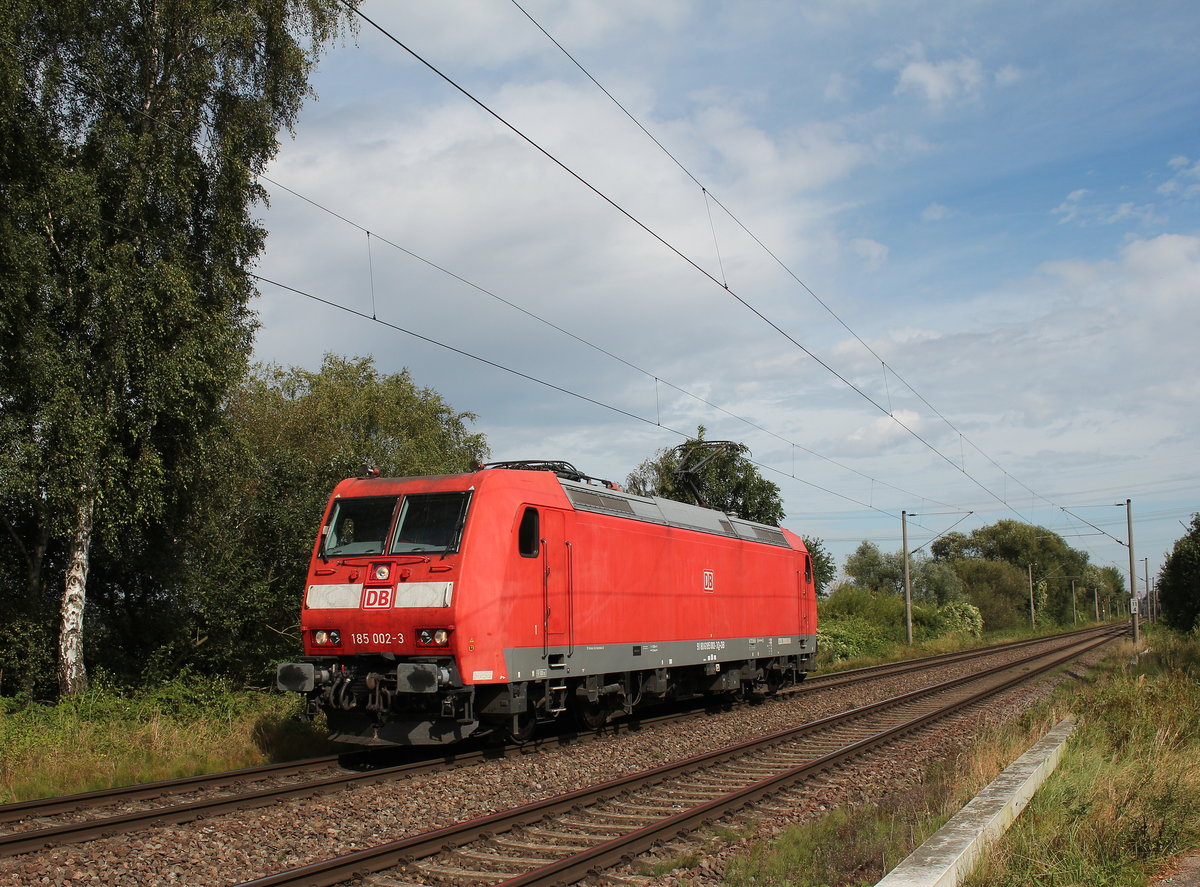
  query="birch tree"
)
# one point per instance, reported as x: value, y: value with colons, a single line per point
x: 131, y: 134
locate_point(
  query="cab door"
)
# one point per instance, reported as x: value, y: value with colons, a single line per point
x: 557, y: 589
x: 807, y: 597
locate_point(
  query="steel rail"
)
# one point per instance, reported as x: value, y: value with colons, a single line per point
x: 334, y: 871
x: 70, y: 803
x: 826, y: 680
x: 574, y: 868
x: 26, y: 841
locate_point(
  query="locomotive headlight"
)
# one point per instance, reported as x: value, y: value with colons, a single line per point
x: 381, y: 572
x: 433, y: 637
x: 324, y: 637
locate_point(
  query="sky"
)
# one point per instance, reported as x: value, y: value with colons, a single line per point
x: 924, y: 257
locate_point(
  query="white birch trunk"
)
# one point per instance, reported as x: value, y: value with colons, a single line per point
x: 72, y: 675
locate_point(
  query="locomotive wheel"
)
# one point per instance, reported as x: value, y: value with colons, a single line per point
x: 590, y: 715
x: 775, y: 679
x: 521, y: 727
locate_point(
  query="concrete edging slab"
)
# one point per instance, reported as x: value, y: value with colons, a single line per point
x: 950, y: 853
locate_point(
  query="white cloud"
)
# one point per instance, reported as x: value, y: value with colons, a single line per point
x: 1008, y: 75
x: 872, y: 252
x: 884, y: 432
x: 838, y: 87
x: 486, y: 35
x: 935, y: 212
x: 1074, y: 210
x: 943, y: 82
x: 1186, y: 180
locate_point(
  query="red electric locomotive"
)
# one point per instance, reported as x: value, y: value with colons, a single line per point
x: 439, y: 607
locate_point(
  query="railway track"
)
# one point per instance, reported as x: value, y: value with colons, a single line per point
x: 54, y: 821
x: 563, y: 839
x: 829, y: 680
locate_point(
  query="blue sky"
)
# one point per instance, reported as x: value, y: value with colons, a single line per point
x: 1000, y: 202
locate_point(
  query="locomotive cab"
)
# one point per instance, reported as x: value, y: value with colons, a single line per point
x: 378, y: 618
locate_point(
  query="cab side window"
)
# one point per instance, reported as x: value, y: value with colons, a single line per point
x: 527, y: 534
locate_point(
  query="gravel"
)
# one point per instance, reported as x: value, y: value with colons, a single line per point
x: 237, y: 847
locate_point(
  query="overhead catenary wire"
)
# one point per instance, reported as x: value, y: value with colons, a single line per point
x: 708, y: 196
x: 943, y: 533
x: 535, y: 379
x: 670, y: 247
x: 571, y: 393
x: 369, y: 235
x: 528, y: 377
x: 590, y: 344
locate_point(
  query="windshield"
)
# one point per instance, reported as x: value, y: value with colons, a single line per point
x: 359, y: 526
x: 430, y: 522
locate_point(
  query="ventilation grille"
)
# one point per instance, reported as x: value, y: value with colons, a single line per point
x: 588, y: 499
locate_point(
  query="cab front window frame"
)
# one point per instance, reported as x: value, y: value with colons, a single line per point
x: 358, y: 525
x: 430, y: 523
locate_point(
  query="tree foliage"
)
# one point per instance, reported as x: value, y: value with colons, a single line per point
x: 216, y: 585
x: 931, y: 581
x: 1179, y: 582
x: 1058, y: 571
x: 131, y: 133
x: 998, y: 589
x: 824, y: 565
x: 293, y: 435
x: 728, y: 481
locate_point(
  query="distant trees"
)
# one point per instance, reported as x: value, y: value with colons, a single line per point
x: 999, y: 589
x: 871, y: 568
x: 130, y: 137
x: 990, y: 569
x: 716, y: 474
x: 994, y: 563
x: 1179, y: 582
x: 931, y: 581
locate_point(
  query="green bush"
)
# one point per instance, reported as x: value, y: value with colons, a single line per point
x: 857, y: 621
x: 879, y: 608
x: 849, y: 637
x: 963, y: 617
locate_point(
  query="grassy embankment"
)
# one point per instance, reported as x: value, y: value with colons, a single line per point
x: 1125, y: 798
x: 110, y: 736
x: 118, y: 736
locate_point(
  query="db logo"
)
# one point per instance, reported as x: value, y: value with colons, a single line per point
x: 710, y: 582
x: 377, y: 598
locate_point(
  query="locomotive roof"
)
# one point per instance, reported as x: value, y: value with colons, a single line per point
x: 668, y: 512
x: 599, y: 498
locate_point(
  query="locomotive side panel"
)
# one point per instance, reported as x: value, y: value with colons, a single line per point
x: 648, y: 596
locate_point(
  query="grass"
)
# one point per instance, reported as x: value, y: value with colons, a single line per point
x: 112, y: 736
x: 1125, y: 798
